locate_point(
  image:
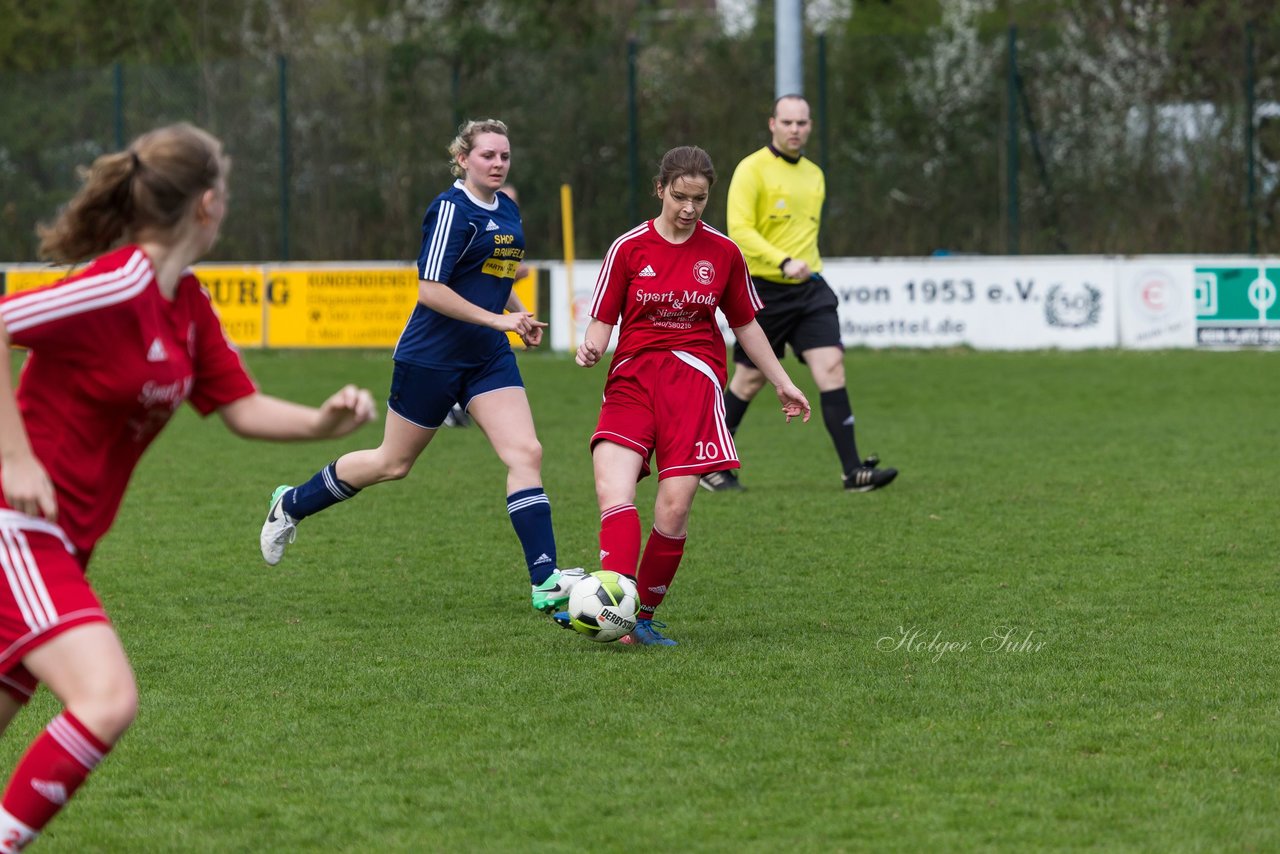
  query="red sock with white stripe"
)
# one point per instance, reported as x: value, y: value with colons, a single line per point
x: 55, y: 765
x: 658, y: 567
x: 620, y: 539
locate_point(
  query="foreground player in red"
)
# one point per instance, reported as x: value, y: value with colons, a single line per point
x: 664, y: 397
x: 114, y: 350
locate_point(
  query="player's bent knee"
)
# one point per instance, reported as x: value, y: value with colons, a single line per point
x: 108, y: 710
x: 525, y: 457
x: 747, y: 383
x: 397, y: 470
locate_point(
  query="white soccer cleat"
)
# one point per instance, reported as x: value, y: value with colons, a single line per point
x: 553, y: 594
x: 279, y: 530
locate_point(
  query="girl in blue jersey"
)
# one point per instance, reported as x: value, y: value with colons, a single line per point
x: 454, y: 349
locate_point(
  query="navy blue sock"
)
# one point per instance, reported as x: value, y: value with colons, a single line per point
x: 323, y: 490
x: 530, y: 512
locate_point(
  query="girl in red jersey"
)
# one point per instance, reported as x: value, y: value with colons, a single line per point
x: 664, y: 397
x: 113, y: 351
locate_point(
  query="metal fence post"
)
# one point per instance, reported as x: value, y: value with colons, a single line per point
x: 1250, y: 110
x: 823, y: 136
x: 118, y: 106
x: 1012, y: 157
x: 633, y: 138
x: 282, y: 65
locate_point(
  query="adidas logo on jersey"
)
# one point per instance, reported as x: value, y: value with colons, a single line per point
x: 646, y: 273
x: 603, y: 554
x: 492, y: 226
x: 156, y: 352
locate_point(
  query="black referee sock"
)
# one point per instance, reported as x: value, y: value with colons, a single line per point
x: 838, y: 416
x: 734, y: 408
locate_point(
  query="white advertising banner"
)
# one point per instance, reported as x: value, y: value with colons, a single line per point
x: 990, y: 304
x: 1005, y: 303
x: 1157, y: 309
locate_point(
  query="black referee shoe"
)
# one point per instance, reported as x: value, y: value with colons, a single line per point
x: 867, y: 477
x: 721, y: 481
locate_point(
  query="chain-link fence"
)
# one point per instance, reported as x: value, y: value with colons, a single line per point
x: 999, y: 142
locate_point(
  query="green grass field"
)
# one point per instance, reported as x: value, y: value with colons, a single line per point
x: 387, y: 688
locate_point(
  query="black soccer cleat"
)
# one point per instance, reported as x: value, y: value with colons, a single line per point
x: 721, y: 481
x: 865, y: 478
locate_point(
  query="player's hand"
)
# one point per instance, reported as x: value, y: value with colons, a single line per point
x: 345, y: 410
x: 27, y: 488
x: 533, y: 337
x: 794, y: 403
x: 588, y: 354
x: 519, y: 322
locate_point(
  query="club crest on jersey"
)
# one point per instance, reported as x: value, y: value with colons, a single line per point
x: 704, y: 272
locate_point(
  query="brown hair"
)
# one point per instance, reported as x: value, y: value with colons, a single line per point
x: 466, y: 140
x: 781, y: 98
x: 685, y: 161
x: 150, y: 186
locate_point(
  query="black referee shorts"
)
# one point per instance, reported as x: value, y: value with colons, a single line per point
x: 804, y: 315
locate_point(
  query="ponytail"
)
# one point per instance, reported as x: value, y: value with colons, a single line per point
x: 150, y: 186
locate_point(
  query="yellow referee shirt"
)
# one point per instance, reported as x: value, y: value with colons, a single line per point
x: 775, y: 209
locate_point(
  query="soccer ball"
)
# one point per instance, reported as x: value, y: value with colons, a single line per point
x: 603, y: 606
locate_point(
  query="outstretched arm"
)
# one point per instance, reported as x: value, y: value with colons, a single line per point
x: 261, y: 416
x: 754, y: 341
x: 444, y: 299
x: 26, y: 484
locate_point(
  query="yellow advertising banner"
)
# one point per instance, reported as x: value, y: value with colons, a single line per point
x: 238, y: 294
x: 339, y: 307
x: 527, y: 290
x: 352, y: 306
x: 25, y: 278
x: 301, y: 306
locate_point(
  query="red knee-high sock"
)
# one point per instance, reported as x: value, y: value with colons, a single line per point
x: 54, y: 766
x: 620, y: 539
x: 657, y: 568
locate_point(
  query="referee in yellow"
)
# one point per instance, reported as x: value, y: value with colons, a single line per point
x: 775, y: 209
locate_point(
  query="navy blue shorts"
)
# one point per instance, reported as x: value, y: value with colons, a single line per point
x: 805, y: 315
x: 424, y: 396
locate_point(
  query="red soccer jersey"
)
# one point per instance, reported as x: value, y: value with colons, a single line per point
x: 111, y: 360
x: 667, y: 293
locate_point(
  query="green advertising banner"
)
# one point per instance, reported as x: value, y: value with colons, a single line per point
x: 1237, y: 305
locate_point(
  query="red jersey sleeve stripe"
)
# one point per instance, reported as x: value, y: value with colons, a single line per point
x: 602, y: 281
x: 27, y: 310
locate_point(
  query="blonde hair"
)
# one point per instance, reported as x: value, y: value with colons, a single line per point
x: 149, y: 186
x: 466, y: 140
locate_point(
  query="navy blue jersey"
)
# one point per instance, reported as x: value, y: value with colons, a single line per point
x: 475, y: 249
